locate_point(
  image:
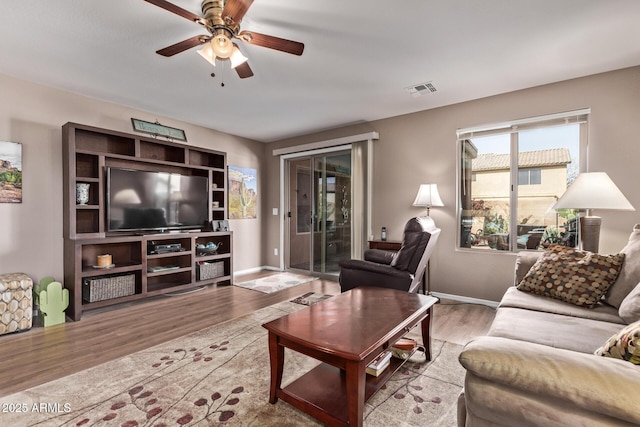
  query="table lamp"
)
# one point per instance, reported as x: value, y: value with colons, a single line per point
x: 428, y: 196
x: 592, y: 190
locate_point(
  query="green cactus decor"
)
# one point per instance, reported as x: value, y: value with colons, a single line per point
x: 40, y: 287
x: 53, y: 302
x: 38, y: 317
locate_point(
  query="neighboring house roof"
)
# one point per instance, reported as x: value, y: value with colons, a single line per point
x: 527, y: 159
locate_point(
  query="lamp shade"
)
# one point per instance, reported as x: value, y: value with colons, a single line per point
x: 593, y: 190
x: 237, y: 58
x: 428, y: 196
x: 127, y: 196
x: 207, y: 53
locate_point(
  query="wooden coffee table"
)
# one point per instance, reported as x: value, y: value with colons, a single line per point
x: 345, y: 332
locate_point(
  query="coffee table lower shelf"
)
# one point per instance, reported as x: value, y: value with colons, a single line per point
x: 322, y: 391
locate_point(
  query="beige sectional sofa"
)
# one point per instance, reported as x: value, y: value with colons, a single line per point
x: 537, y: 367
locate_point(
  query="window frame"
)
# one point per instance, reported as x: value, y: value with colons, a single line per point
x: 528, y: 171
x: 580, y: 117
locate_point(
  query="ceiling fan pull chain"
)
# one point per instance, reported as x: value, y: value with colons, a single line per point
x: 224, y: 67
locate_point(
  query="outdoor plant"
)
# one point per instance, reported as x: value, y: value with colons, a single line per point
x: 494, y: 223
x: 551, y: 235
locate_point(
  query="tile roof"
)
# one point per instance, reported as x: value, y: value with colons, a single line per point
x: 528, y: 159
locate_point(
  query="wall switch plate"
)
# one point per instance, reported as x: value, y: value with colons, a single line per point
x: 275, y: 211
x: 275, y: 251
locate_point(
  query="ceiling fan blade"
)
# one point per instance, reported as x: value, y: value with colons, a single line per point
x: 175, y: 9
x: 271, y: 42
x: 244, y: 70
x: 183, y: 45
x: 235, y: 9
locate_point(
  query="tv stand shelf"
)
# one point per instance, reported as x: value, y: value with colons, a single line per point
x: 87, y: 154
x: 129, y: 254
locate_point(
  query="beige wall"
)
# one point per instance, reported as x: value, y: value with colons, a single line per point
x: 413, y: 149
x: 31, y: 232
x: 420, y: 148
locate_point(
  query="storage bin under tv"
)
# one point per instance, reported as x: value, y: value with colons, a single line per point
x: 96, y: 289
x: 87, y: 153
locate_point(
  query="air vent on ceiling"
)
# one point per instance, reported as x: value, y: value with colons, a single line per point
x: 421, y: 89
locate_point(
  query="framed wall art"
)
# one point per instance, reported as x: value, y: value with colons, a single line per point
x: 157, y: 129
x: 243, y: 192
x: 10, y: 172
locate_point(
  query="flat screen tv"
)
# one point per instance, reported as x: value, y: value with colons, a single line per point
x: 143, y: 200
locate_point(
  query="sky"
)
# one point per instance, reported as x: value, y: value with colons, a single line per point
x: 532, y: 140
x: 11, y: 151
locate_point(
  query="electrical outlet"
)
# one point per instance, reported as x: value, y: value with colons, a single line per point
x: 275, y: 251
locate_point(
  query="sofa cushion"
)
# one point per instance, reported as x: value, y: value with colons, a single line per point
x: 525, y: 384
x: 554, y: 330
x: 624, y: 345
x: 630, y: 307
x: 630, y: 274
x: 571, y: 275
x: 524, y: 262
x: 517, y: 299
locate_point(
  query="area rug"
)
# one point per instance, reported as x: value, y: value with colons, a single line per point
x: 219, y: 376
x: 310, y: 298
x: 275, y: 282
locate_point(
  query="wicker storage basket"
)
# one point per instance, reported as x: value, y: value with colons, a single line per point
x: 210, y: 270
x: 100, y: 289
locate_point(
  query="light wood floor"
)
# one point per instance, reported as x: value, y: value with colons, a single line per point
x: 41, y: 354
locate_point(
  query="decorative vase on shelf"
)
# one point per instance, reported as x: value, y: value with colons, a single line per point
x: 82, y: 194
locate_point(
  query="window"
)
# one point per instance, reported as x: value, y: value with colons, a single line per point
x: 511, y: 175
x: 531, y: 176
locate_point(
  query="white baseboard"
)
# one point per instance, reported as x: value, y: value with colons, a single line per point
x: 468, y: 300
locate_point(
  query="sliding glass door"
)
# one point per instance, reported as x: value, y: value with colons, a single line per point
x: 319, y: 193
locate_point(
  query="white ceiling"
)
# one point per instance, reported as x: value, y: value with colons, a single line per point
x: 359, y: 56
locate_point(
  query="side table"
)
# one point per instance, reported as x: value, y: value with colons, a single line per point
x: 385, y: 245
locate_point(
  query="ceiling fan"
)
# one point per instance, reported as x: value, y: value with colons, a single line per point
x: 222, y: 19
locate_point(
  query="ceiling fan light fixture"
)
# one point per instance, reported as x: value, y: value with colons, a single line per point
x: 222, y: 45
x: 207, y: 53
x: 237, y: 58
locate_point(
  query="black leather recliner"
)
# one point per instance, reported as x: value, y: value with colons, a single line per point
x: 401, y: 270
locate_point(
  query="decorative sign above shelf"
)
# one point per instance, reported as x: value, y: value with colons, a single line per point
x: 157, y: 129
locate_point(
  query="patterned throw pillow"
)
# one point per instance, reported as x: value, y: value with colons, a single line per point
x: 574, y: 276
x: 624, y: 345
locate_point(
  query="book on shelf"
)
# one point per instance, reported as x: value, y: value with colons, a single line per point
x: 379, y: 364
x: 405, y: 344
x: 162, y: 268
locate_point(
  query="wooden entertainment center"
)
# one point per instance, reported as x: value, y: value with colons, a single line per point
x: 143, y: 264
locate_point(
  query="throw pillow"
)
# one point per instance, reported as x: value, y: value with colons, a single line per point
x: 630, y: 273
x: 571, y: 275
x: 630, y: 307
x: 624, y: 345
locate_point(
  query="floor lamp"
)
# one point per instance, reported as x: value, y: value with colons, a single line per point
x: 427, y: 197
x: 592, y: 190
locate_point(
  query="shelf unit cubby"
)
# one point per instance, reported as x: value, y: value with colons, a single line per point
x: 87, y: 153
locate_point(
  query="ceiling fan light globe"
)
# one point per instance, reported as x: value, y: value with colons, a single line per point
x: 207, y: 53
x: 237, y: 58
x: 222, y: 46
